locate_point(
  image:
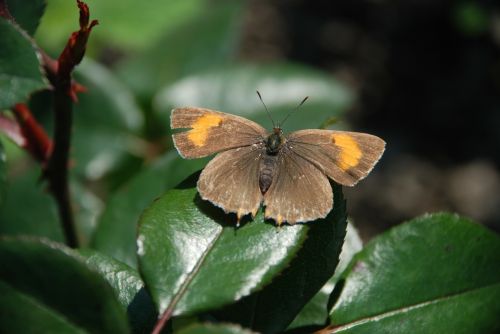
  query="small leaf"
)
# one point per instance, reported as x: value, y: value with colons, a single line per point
x: 438, y: 273
x: 128, y: 287
x: 117, y: 229
x: 315, y: 312
x: 231, y: 89
x: 20, y: 73
x: 60, y: 288
x: 215, y: 329
x: 27, y: 13
x: 193, y: 259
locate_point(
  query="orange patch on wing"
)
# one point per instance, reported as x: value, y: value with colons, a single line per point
x: 350, y: 153
x: 201, y: 128
x: 279, y: 219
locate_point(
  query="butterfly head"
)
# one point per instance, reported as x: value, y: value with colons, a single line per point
x: 276, y: 139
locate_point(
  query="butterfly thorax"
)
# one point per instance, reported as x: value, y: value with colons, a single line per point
x: 274, y: 141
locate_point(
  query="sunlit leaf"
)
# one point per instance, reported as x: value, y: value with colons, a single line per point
x: 193, y: 259
x: 117, y: 229
x: 438, y: 273
x: 128, y: 287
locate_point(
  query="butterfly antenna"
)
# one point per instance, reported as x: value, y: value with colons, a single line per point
x: 291, y: 111
x: 268, y: 113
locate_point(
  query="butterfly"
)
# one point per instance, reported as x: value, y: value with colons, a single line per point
x: 287, y: 173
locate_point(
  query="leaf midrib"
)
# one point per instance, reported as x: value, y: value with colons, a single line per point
x: 191, y: 275
x: 405, y: 309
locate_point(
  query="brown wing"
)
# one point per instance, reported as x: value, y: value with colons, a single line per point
x: 346, y: 157
x: 300, y: 192
x: 211, y: 131
x: 231, y: 180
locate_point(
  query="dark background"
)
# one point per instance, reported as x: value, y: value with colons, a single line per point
x: 428, y: 78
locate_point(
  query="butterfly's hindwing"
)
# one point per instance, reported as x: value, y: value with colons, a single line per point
x: 231, y: 180
x: 299, y: 192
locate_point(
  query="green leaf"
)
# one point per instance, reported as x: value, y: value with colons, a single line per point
x: 27, y: 208
x: 27, y: 13
x: 232, y: 89
x: 20, y: 73
x: 315, y: 312
x: 128, y: 287
x: 272, y: 309
x: 215, y: 329
x: 205, y: 40
x: 131, y: 26
x: 64, y: 293
x: 435, y: 274
x: 193, y: 259
x: 117, y: 229
x: 21, y: 313
x: 3, y: 171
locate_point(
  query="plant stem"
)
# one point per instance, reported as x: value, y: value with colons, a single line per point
x: 57, y: 168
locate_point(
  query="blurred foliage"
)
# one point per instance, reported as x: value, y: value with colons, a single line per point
x: 471, y: 17
x: 129, y: 25
x: 27, y: 13
x: 127, y: 180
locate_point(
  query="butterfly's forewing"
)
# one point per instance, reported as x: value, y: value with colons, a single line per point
x: 211, y: 131
x: 345, y: 157
x: 231, y: 180
x: 299, y: 192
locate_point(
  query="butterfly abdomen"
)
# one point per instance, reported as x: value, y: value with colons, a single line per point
x: 266, y: 171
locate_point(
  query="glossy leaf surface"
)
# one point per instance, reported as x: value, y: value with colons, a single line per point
x: 117, y: 229
x: 128, y: 287
x: 438, y: 273
x: 63, y: 291
x: 193, y: 259
x: 272, y: 309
